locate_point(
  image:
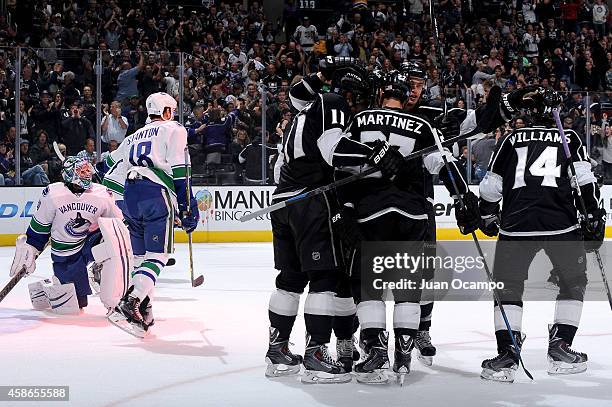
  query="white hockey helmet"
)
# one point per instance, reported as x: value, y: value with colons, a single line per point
x: 158, y: 102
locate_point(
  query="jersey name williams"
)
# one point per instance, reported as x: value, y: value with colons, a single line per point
x: 78, y: 206
x: 382, y: 119
x: 536, y: 135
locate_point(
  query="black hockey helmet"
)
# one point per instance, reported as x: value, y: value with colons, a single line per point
x: 414, y: 70
x: 353, y: 78
x: 396, y: 85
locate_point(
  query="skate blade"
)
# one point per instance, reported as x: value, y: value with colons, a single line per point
x: 504, y: 375
x: 120, y: 322
x: 563, y: 368
x: 425, y: 360
x: 375, y: 377
x: 316, y: 377
x: 281, y: 370
x: 400, y: 375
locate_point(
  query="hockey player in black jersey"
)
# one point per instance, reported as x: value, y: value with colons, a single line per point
x: 395, y: 210
x: 529, y: 173
x: 498, y: 110
x: 303, y: 239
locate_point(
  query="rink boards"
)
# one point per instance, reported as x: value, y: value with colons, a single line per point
x: 221, y: 207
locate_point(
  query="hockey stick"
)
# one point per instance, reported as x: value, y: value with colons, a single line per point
x: 336, y: 184
x: 58, y: 152
x: 582, y: 210
x: 490, y: 277
x: 200, y: 279
x: 12, y: 283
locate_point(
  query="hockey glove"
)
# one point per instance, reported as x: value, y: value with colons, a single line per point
x: 594, y: 229
x: 329, y: 65
x: 449, y: 125
x: 533, y: 97
x: 490, y: 225
x: 345, y: 225
x: 468, y: 217
x: 189, y: 219
x: 489, y: 212
x: 25, y: 257
x: 386, y: 158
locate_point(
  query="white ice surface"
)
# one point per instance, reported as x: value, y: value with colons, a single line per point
x: 207, y: 348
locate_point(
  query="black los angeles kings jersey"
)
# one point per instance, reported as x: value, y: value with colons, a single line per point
x: 375, y: 196
x: 528, y: 172
x: 316, y: 143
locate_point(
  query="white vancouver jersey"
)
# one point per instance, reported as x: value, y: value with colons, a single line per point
x: 69, y: 218
x: 156, y: 151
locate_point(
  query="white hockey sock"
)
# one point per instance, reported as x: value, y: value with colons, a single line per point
x: 514, y: 314
x: 372, y: 314
x: 284, y: 303
x: 344, y: 306
x: 146, y: 274
x: 568, y: 312
x: 407, y: 315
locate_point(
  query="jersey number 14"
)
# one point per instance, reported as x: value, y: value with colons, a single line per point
x: 544, y: 166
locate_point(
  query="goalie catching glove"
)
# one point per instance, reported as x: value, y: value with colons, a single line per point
x: 594, y: 229
x: 467, y: 216
x: 25, y: 257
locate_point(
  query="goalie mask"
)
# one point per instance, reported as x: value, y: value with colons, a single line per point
x: 77, y: 171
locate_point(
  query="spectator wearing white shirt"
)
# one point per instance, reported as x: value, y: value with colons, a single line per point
x: 400, y: 45
x: 600, y: 16
x: 114, y: 125
x: 237, y: 56
x: 306, y: 34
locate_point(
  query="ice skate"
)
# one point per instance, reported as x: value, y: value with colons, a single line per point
x: 503, y: 367
x: 372, y: 369
x: 425, y: 350
x: 146, y: 310
x: 403, y: 349
x: 321, y: 367
x: 561, y: 358
x: 94, y: 275
x: 127, y: 316
x: 280, y: 360
x: 347, y: 353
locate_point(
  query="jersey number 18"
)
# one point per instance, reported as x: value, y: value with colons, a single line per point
x: 139, y: 154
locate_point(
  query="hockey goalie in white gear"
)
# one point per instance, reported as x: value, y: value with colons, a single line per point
x: 67, y: 219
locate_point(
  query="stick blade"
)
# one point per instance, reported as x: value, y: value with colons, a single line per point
x: 197, y: 282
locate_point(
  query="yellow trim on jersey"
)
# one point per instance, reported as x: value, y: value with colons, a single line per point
x: 266, y: 236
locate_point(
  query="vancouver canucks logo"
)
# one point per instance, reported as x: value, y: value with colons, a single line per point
x: 78, y: 227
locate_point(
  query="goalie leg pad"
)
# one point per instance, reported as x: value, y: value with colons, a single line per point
x: 62, y: 297
x: 114, y: 255
x: 38, y: 296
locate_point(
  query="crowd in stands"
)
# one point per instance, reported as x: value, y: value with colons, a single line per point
x: 233, y: 54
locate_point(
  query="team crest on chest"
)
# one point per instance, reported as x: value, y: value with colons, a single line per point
x: 77, y: 227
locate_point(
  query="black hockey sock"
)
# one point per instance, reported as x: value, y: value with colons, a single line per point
x: 369, y: 334
x: 283, y: 323
x: 319, y: 327
x: 404, y: 331
x: 504, y: 340
x: 426, y: 311
x: 343, y: 326
x: 566, y: 332
x: 355, y: 324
